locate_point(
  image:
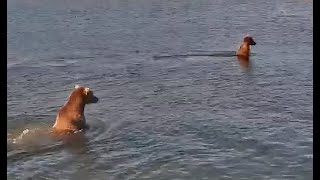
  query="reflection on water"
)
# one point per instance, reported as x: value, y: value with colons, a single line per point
x: 244, y: 63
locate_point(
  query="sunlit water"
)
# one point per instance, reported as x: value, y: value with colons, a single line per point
x: 182, y: 117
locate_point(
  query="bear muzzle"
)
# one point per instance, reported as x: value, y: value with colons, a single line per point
x: 95, y: 99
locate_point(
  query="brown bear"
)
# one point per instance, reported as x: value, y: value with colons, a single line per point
x: 70, y: 116
x: 244, y: 49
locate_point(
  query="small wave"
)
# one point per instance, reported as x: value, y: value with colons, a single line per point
x: 97, y: 130
x: 30, y: 141
x: 35, y: 136
x: 19, y: 138
x: 214, y: 54
x: 37, y: 141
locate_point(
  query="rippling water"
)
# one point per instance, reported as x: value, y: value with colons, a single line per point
x: 169, y: 118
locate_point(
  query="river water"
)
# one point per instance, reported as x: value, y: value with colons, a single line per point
x: 188, y: 117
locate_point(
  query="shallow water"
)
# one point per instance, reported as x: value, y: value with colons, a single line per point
x: 183, y: 117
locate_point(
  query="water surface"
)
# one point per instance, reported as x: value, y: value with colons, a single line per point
x: 199, y: 117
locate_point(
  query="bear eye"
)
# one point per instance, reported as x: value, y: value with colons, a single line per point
x: 90, y: 93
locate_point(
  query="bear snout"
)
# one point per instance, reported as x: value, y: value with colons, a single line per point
x: 253, y: 43
x: 95, y: 99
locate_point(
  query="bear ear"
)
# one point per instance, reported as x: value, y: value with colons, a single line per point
x: 86, y: 90
x: 77, y: 86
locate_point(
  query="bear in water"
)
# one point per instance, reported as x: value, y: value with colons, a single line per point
x: 244, y: 49
x: 70, y: 116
